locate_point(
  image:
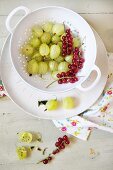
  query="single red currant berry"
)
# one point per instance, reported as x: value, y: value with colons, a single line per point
x: 49, y: 158
x: 45, y: 161
x: 67, y: 142
x: 63, y: 74
x: 58, y: 75
x: 60, y: 81
x: 69, y: 66
x: 57, y: 144
x: 60, y: 140
x: 64, y: 80
x: 65, y: 137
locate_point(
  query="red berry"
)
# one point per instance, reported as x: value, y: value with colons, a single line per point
x: 63, y: 74
x: 80, y: 66
x: 60, y: 81
x: 62, y: 146
x: 63, y: 37
x: 81, y: 60
x: 73, y: 67
x: 69, y: 48
x: 55, y: 151
x: 68, y: 52
x: 70, y: 44
x: 75, y: 55
x: 75, y: 78
x: 60, y: 140
x: 64, y: 80
x: 45, y: 161
x: 64, y: 46
x: 68, y: 31
x: 72, y: 80
x: 49, y: 158
x: 70, y: 39
x: 57, y: 144
x: 75, y: 63
x: 67, y: 35
x: 59, y: 75
x: 64, y: 50
x: 68, y: 79
x: 69, y: 66
x: 63, y: 54
x: 75, y: 70
x: 67, y: 142
x: 76, y: 49
x: 70, y: 71
x: 65, y: 137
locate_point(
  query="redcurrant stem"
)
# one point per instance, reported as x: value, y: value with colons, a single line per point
x: 59, y: 79
x: 51, y: 83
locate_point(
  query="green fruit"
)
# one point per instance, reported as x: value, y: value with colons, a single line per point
x: 69, y: 58
x: 59, y: 59
x: 63, y: 66
x: 60, y: 44
x: 76, y: 42
x: 37, y: 57
x: 62, y: 35
x: 35, y: 42
x: 25, y: 137
x: 58, y: 29
x: 68, y: 103
x: 54, y: 75
x: 37, y: 31
x: 43, y: 68
x: 47, y: 27
x: 44, y: 50
x: 52, y: 105
x: 27, y: 50
x: 55, y: 39
x: 46, y: 38
x: 21, y: 152
x: 53, y: 65
x: 54, y: 51
x: 32, y: 67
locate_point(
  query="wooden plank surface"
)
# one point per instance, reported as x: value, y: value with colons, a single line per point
x: 99, y: 14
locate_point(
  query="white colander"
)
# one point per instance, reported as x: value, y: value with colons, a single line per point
x: 56, y: 14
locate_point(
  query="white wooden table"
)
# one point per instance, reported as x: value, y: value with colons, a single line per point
x: 99, y: 14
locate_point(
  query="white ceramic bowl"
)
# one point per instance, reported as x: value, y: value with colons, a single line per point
x: 56, y: 14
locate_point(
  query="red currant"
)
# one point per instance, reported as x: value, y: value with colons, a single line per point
x: 60, y: 140
x: 72, y: 80
x: 67, y: 142
x: 57, y: 144
x: 68, y: 31
x: 81, y: 60
x: 60, y: 81
x: 45, y: 161
x: 63, y: 74
x: 62, y: 146
x: 64, y: 80
x: 49, y: 158
x: 65, y: 137
x: 64, y: 46
x: 63, y: 38
x: 59, y: 75
x: 80, y: 66
x: 69, y: 66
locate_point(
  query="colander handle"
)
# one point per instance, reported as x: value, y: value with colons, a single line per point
x: 95, y: 68
x: 12, y: 13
